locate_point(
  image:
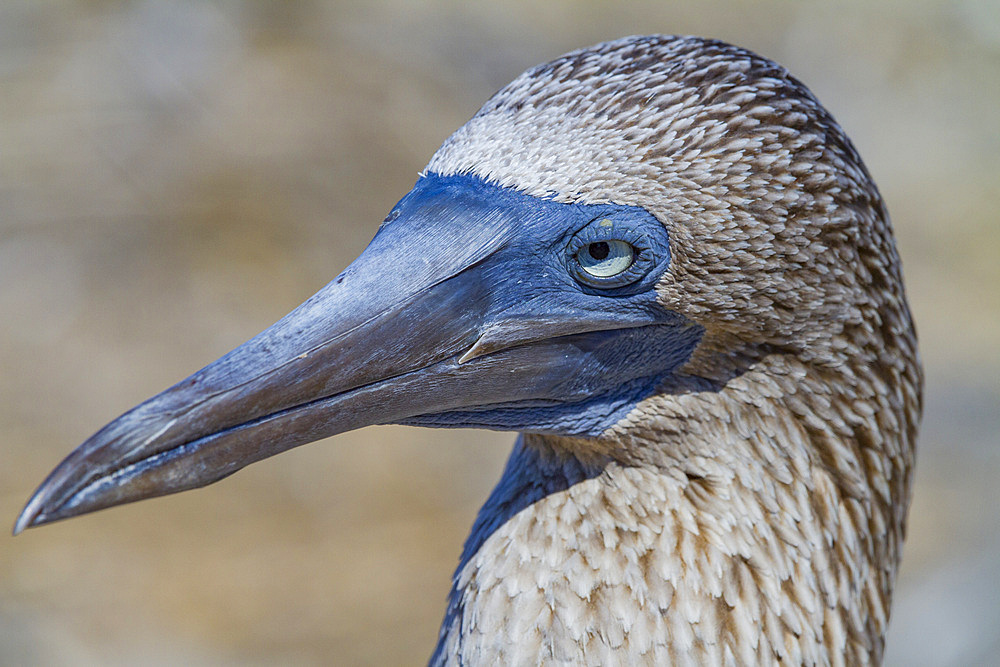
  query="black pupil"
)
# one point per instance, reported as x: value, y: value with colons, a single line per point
x: 598, y: 250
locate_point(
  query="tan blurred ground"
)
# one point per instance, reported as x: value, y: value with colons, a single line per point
x: 176, y: 175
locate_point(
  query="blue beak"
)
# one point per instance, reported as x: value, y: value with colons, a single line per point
x: 461, y: 312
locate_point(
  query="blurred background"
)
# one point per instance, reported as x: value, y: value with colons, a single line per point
x: 176, y: 175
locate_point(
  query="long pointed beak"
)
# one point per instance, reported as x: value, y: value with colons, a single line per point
x: 408, y: 333
x: 337, y: 362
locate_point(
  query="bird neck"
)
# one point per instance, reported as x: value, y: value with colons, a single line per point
x: 760, y: 520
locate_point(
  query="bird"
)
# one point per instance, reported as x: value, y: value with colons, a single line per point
x: 660, y: 261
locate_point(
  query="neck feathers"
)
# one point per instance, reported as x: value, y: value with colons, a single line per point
x: 755, y: 522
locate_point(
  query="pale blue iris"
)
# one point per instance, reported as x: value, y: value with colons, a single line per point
x: 604, y: 259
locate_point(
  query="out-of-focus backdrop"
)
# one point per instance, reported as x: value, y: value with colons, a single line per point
x: 176, y: 175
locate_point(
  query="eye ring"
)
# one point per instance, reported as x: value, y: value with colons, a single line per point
x: 608, y: 254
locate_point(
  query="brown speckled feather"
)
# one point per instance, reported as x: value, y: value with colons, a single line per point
x: 752, y: 512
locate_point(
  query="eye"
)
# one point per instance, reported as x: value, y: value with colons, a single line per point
x: 611, y: 251
x: 605, y: 259
x: 617, y: 251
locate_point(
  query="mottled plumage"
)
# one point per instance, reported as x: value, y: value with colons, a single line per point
x: 663, y: 262
x: 753, y: 511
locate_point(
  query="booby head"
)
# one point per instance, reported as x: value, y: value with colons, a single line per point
x: 638, y: 222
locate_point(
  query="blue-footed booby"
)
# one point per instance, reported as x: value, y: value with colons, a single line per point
x: 664, y: 264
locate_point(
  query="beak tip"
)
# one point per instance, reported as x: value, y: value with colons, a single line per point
x: 25, y: 520
x: 33, y: 514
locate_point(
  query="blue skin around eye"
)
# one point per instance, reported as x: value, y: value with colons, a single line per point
x: 591, y: 380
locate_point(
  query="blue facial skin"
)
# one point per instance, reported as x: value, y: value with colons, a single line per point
x: 470, y: 307
x: 591, y: 379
